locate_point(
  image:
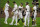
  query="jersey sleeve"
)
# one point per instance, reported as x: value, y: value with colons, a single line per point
x: 13, y: 9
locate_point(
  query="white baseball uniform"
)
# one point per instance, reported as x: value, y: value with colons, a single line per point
x: 15, y: 11
x: 27, y: 16
x: 35, y: 12
x: 6, y: 12
x: 20, y: 12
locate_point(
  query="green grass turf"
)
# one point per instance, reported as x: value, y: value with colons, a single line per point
x: 21, y: 24
x: 17, y: 1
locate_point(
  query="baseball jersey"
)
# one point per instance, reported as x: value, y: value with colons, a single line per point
x: 27, y: 7
x: 15, y: 7
x: 20, y: 8
x: 35, y: 8
x: 6, y: 6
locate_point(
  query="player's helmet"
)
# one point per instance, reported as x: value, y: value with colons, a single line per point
x: 14, y: 2
x: 22, y: 3
x: 7, y: 1
x: 27, y: 3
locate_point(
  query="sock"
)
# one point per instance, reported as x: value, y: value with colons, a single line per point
x: 32, y: 22
x: 22, y: 20
x: 18, y: 20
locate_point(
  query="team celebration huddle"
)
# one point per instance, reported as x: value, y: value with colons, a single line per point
x: 19, y: 12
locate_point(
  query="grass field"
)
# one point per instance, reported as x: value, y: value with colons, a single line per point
x: 21, y: 24
x: 17, y: 1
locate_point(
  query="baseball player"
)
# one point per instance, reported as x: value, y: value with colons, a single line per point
x: 6, y: 12
x: 15, y: 11
x: 37, y: 3
x: 35, y: 13
x: 32, y: 18
x: 20, y: 13
x: 27, y: 16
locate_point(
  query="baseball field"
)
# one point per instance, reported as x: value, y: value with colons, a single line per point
x: 2, y: 4
x: 2, y: 24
